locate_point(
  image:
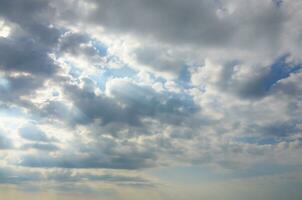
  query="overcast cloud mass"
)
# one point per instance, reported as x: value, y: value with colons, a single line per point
x: 150, y: 99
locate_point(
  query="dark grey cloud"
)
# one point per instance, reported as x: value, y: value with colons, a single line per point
x: 9, y: 176
x: 139, y: 102
x: 34, y: 18
x: 12, y: 88
x: 175, y: 21
x: 55, y: 110
x: 40, y: 146
x: 259, y: 83
x: 93, y: 107
x: 31, y: 39
x: 199, y: 23
x: 25, y: 61
x: 131, y: 161
x: 44, y: 34
x: 279, y: 129
x: 25, y: 55
x: 78, y: 44
x: 144, y: 101
x: 102, y: 152
x: 20, y: 11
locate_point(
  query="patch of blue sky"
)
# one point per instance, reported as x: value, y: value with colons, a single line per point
x: 108, y: 73
x: 101, y: 48
x: 112, y: 61
x: 182, y: 101
x: 278, y: 3
x: 155, y: 78
x: 279, y: 70
x: 184, y: 78
x: 74, y: 71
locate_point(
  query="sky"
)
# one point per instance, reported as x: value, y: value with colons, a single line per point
x: 152, y: 100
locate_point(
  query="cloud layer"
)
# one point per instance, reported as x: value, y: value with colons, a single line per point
x: 110, y: 90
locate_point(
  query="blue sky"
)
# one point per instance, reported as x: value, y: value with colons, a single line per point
x: 161, y: 100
